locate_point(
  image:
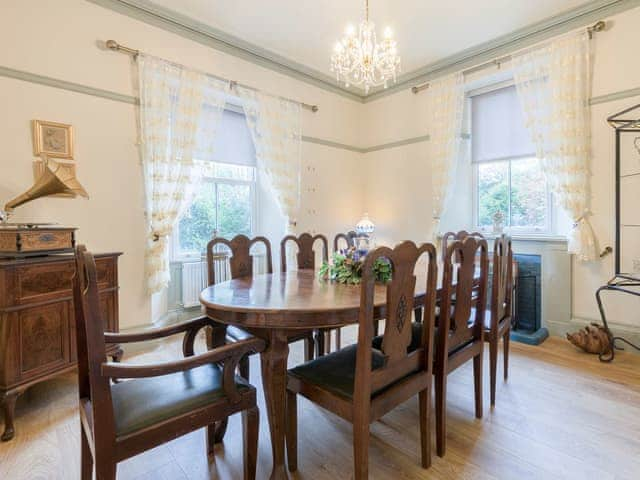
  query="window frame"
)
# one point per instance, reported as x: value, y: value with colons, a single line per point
x: 548, y: 229
x: 176, y: 254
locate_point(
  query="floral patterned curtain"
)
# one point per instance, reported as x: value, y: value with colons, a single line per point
x: 554, y: 87
x: 180, y: 110
x: 445, y: 106
x: 276, y: 128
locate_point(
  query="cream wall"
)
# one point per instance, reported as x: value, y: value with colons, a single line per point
x: 398, y: 190
x: 58, y: 39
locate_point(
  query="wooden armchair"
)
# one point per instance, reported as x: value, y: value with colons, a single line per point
x: 497, y: 323
x: 306, y: 260
x: 361, y: 383
x: 163, y: 400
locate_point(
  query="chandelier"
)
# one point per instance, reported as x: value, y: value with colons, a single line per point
x: 361, y: 60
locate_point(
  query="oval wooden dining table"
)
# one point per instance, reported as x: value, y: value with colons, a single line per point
x: 278, y: 306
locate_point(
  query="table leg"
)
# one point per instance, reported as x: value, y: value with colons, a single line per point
x: 274, y: 382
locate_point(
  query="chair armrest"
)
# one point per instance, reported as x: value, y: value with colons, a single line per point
x: 155, y: 333
x: 231, y: 351
x: 229, y: 355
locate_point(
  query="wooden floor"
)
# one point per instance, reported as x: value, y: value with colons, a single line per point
x: 562, y: 414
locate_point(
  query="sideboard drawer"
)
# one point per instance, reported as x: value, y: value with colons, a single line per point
x: 53, y: 280
x: 38, y: 283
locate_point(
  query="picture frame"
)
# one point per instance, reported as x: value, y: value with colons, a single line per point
x: 53, y: 139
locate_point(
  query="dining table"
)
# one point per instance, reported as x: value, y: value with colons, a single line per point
x: 276, y: 307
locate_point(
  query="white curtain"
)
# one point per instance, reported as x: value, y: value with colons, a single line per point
x: 554, y: 86
x: 445, y: 106
x: 276, y: 128
x: 180, y: 110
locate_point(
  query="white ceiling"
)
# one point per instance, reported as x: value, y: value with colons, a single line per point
x: 305, y: 31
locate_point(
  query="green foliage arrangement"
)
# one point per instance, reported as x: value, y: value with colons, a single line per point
x: 346, y: 267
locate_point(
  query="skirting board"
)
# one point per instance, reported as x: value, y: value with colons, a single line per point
x: 560, y: 329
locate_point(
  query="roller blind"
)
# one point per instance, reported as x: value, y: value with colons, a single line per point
x: 497, y: 126
x: 233, y: 143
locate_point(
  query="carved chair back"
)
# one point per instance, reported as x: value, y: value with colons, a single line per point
x: 349, y: 238
x: 399, y: 362
x: 465, y: 322
x: 306, y: 256
x: 502, y: 282
x: 241, y: 260
x: 93, y: 386
x: 450, y: 237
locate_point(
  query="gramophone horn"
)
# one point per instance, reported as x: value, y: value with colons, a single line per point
x: 51, y: 182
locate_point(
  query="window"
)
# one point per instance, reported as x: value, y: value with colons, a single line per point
x: 507, y: 175
x: 224, y: 205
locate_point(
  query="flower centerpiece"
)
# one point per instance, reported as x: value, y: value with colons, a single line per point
x: 346, y: 267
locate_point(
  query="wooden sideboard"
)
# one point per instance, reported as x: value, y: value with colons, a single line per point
x: 37, y: 323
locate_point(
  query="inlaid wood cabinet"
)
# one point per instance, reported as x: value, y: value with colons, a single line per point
x: 37, y: 324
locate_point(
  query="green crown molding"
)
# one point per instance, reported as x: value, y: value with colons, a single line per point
x: 186, y: 27
x: 191, y: 29
x: 564, y: 22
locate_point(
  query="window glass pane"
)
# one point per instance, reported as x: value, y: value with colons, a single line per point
x: 234, y: 209
x: 198, y: 222
x: 493, y: 191
x: 528, y: 194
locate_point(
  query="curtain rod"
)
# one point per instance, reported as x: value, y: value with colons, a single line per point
x: 117, y: 47
x: 597, y: 27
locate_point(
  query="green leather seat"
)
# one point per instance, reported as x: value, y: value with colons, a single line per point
x: 336, y: 371
x: 142, y: 402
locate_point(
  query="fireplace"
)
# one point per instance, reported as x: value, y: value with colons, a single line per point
x: 527, y: 326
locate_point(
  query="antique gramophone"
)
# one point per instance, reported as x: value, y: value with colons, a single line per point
x: 31, y: 239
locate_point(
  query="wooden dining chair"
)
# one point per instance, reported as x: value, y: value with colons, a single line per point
x: 459, y: 336
x: 306, y: 260
x: 361, y: 383
x: 450, y: 237
x: 240, y: 265
x: 349, y: 239
x: 497, y: 323
x: 162, y: 401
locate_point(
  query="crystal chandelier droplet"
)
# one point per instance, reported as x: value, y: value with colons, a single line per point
x: 358, y: 59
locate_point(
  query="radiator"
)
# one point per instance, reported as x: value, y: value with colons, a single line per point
x: 195, y: 278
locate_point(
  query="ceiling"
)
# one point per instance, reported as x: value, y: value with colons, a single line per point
x: 305, y: 31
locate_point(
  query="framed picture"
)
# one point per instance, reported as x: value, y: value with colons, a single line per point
x: 53, y: 139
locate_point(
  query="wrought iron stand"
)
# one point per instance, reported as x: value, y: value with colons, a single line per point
x: 622, y: 284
